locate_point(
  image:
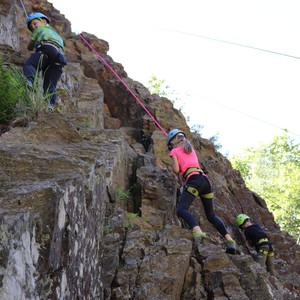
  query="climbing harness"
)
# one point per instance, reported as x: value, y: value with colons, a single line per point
x: 190, y: 170
x: 122, y: 81
x: 192, y: 190
x: 264, y: 246
x: 54, y: 44
x: 266, y: 251
x: 263, y: 241
x: 208, y: 195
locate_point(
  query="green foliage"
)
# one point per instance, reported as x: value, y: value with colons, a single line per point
x: 12, y: 91
x: 121, y: 194
x: 197, y: 128
x: 106, y: 230
x: 17, y: 102
x: 273, y: 172
x: 214, y: 141
x: 157, y: 86
x: 73, y: 35
x: 150, y: 236
x: 132, y: 215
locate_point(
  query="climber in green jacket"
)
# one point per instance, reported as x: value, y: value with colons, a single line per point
x: 48, y: 56
x: 256, y: 237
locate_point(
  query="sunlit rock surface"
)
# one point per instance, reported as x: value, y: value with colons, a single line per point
x: 88, y: 200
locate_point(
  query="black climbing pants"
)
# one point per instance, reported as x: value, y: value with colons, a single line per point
x: 201, y: 183
x: 50, y: 61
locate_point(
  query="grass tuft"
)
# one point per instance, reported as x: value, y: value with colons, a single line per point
x: 19, y: 104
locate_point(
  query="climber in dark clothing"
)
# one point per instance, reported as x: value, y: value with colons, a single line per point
x: 48, y: 57
x: 256, y: 237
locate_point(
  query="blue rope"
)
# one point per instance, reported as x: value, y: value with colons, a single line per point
x: 24, y: 8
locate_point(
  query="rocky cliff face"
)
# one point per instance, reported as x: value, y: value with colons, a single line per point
x: 87, y: 197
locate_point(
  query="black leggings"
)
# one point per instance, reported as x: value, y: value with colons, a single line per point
x: 48, y: 59
x: 201, y: 183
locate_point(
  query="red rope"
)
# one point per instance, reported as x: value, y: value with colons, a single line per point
x: 126, y: 86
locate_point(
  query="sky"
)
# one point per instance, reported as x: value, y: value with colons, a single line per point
x: 234, y: 65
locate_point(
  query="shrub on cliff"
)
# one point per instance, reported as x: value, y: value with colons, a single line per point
x: 16, y: 101
x: 11, y: 91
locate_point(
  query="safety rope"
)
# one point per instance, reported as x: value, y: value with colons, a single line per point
x: 231, y: 43
x: 23, y: 6
x: 122, y: 81
x: 113, y: 71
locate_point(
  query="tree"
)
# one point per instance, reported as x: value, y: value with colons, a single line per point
x: 273, y: 171
x: 157, y: 86
x: 160, y: 87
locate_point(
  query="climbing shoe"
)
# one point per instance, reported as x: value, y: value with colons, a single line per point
x: 29, y: 85
x: 199, y: 236
x: 231, y: 247
x: 51, y: 107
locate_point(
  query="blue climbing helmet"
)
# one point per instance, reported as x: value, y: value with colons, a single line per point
x: 171, y: 135
x: 36, y: 15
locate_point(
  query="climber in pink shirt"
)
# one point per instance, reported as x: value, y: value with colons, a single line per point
x: 185, y: 162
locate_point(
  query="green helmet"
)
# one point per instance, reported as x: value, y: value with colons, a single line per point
x: 241, y: 219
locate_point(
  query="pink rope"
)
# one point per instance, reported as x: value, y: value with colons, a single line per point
x: 126, y: 86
